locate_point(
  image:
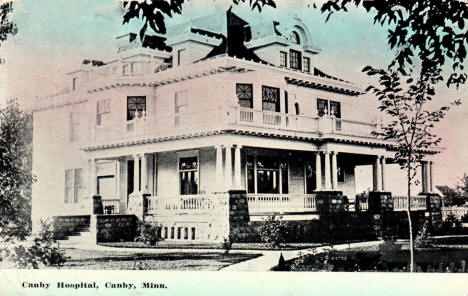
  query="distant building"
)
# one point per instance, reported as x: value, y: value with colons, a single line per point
x: 220, y: 116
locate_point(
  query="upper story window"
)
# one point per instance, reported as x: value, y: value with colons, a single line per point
x: 306, y: 62
x: 180, y: 56
x: 136, y: 107
x: 188, y: 175
x: 329, y: 108
x: 270, y: 99
x: 73, y: 185
x: 335, y: 109
x: 283, y: 59
x: 103, y: 112
x: 294, y: 37
x: 75, y: 81
x: 126, y: 69
x: 244, y: 93
x: 181, y: 102
x: 295, y: 59
x: 74, y: 126
x: 130, y: 69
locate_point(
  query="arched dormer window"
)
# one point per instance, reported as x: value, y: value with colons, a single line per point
x: 294, y: 37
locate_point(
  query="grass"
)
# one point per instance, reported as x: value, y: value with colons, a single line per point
x: 235, y: 246
x: 125, y: 260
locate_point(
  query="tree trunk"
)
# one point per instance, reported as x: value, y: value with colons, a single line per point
x: 410, y: 224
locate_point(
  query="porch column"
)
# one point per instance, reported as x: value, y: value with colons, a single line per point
x: 219, y: 168
x: 228, y: 167
x: 318, y: 171
x: 144, y: 173
x: 334, y: 171
x: 93, y: 178
x: 384, y: 164
x: 327, y: 171
x: 378, y: 177
x: 431, y: 188
x: 424, y: 176
x: 136, y: 173
x: 237, y: 167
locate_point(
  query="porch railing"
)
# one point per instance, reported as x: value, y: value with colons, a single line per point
x: 179, y: 204
x: 111, y: 206
x: 281, y: 203
x: 400, y: 203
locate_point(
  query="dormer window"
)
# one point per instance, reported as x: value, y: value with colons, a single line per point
x: 294, y: 37
x: 295, y: 59
x: 75, y: 83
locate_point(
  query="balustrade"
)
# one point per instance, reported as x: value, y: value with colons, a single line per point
x: 111, y: 206
x: 400, y: 203
x: 281, y: 203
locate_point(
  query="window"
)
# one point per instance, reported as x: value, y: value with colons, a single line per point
x: 103, y: 112
x: 341, y: 174
x: 74, y: 126
x: 335, y: 109
x: 75, y: 83
x: 126, y: 69
x: 322, y: 107
x: 136, y: 107
x: 270, y: 99
x: 188, y: 175
x: 267, y: 175
x: 309, y: 174
x: 181, y: 102
x: 283, y: 59
x: 73, y: 185
x: 296, y: 109
x: 294, y: 37
x: 306, y: 62
x: 286, y: 102
x: 245, y: 95
x: 295, y: 59
x: 250, y: 174
x: 180, y: 56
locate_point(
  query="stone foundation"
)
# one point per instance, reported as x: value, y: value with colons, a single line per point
x: 115, y: 228
x: 66, y: 225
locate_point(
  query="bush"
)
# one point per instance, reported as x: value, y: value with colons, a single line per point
x: 328, y: 260
x: 34, y: 253
x: 273, y: 232
x: 148, y: 233
x: 226, y: 245
x: 464, y: 219
x: 423, y: 238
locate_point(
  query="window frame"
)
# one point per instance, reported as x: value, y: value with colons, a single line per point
x: 239, y: 92
x: 254, y: 158
x: 129, y: 117
x: 74, y: 126
x: 295, y: 59
x: 99, y: 112
x: 269, y: 89
x: 283, y: 59
x: 319, y: 113
x: 335, y: 103
x: 195, y: 170
x: 306, y: 64
x: 72, y: 186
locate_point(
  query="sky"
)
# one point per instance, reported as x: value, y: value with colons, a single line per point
x: 55, y: 36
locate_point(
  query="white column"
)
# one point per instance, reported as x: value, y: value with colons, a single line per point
x: 378, y: 178
x: 318, y: 171
x: 144, y: 173
x: 431, y: 187
x: 327, y: 171
x: 334, y: 171
x: 93, y: 178
x: 237, y: 167
x: 228, y: 167
x: 219, y: 168
x: 136, y: 173
x: 384, y: 164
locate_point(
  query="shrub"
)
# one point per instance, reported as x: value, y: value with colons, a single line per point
x: 423, y: 238
x: 148, y: 233
x: 464, y: 219
x: 36, y: 252
x: 226, y: 245
x: 273, y: 231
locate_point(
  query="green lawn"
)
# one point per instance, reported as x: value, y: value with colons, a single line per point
x: 125, y: 260
x: 235, y: 246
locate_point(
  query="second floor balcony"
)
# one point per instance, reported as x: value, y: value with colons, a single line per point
x: 230, y: 118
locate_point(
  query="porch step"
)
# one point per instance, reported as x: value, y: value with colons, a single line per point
x: 84, y: 236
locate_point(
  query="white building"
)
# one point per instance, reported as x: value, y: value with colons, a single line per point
x: 168, y: 127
